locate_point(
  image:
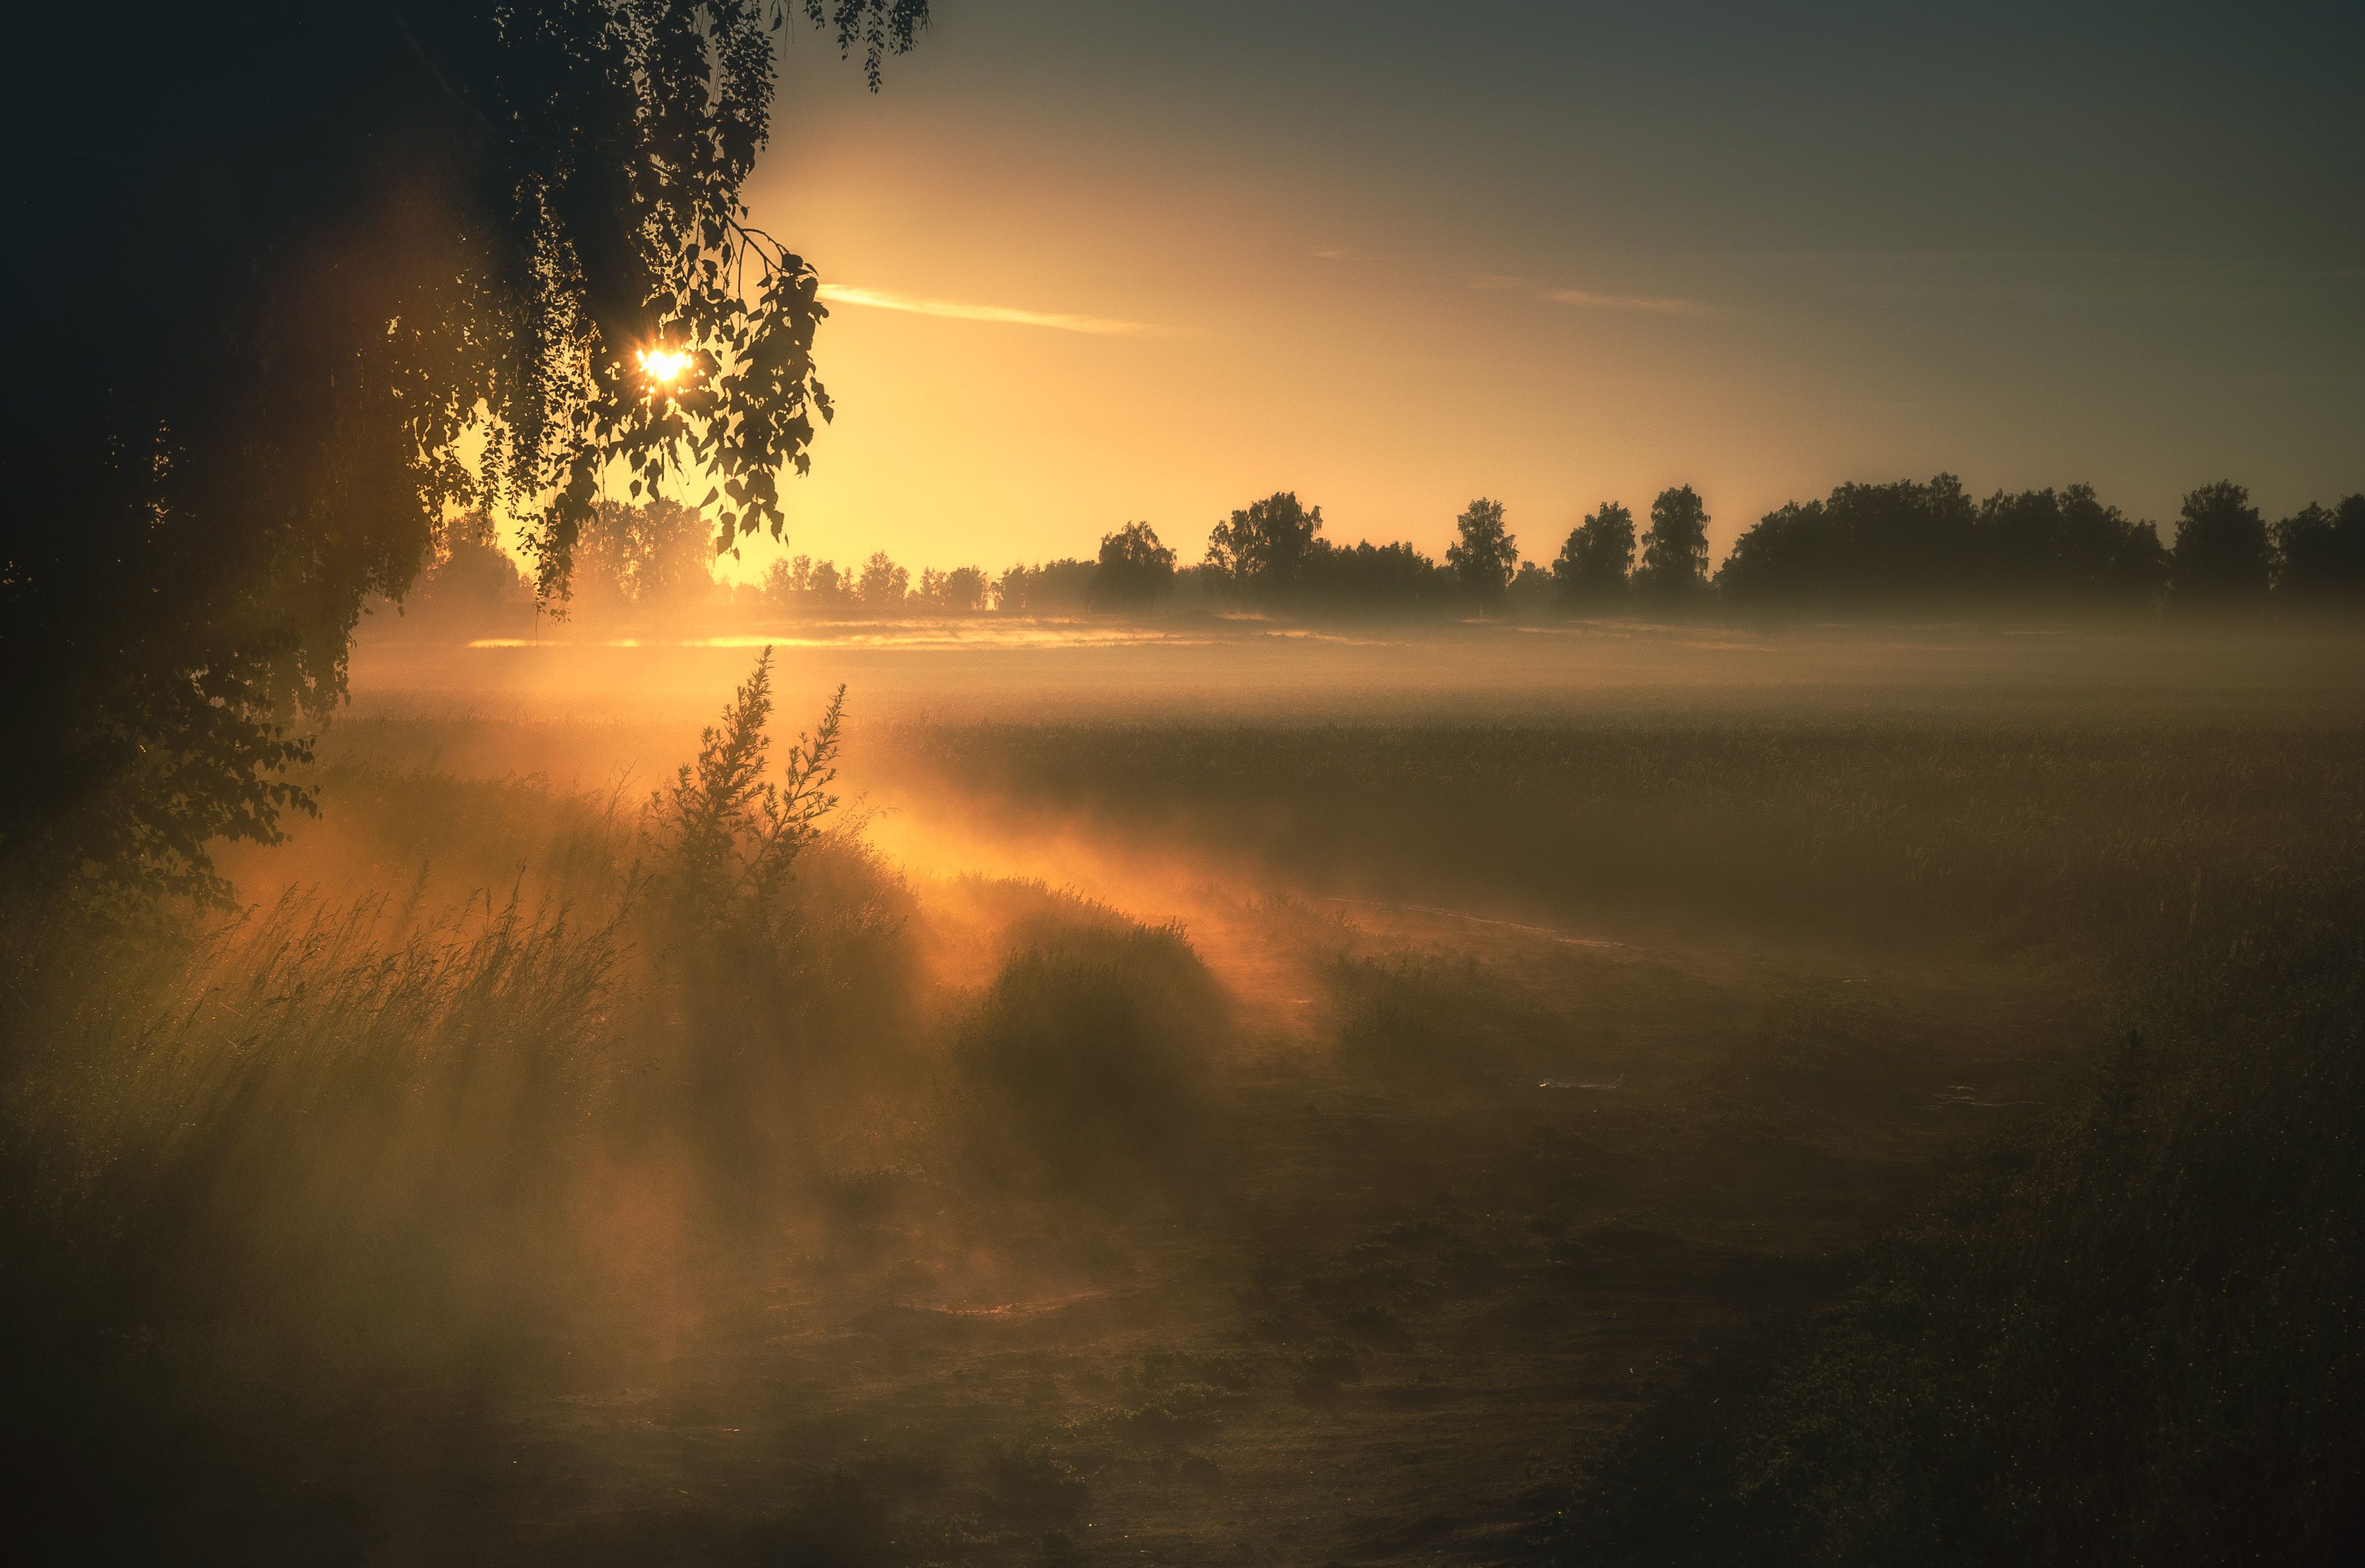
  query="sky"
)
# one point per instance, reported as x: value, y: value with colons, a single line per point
x: 1093, y: 261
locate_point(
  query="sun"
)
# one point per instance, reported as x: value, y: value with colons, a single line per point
x: 664, y: 367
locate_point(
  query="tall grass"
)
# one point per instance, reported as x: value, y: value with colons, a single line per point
x: 592, y: 1087
x: 2131, y: 1338
x: 344, y: 1144
x: 322, y: 1148
x: 1429, y: 1019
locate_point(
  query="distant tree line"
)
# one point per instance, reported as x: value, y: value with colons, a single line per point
x: 1909, y: 548
x: 1906, y: 547
x: 1929, y: 547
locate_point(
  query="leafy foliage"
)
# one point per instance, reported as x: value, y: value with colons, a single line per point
x: 1674, y: 549
x: 962, y: 591
x: 2065, y: 551
x: 1271, y: 554
x: 1054, y: 587
x: 2320, y: 554
x: 727, y: 836
x: 647, y: 556
x: 1912, y: 547
x: 1593, y: 565
x: 1263, y: 551
x: 1483, y: 556
x: 414, y: 255
x: 1136, y: 570
x: 2223, y: 555
x: 883, y: 585
x: 1375, y: 579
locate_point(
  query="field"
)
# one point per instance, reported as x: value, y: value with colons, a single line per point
x: 1262, y: 1099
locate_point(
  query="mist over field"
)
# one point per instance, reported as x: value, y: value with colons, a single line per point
x: 1231, y: 1095
x: 893, y: 784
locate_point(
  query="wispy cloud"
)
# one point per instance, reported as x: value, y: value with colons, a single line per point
x: 1587, y: 299
x: 1011, y: 315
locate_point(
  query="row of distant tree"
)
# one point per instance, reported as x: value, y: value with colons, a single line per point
x: 1903, y: 547
x: 658, y: 558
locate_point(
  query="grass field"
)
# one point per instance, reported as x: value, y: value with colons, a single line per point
x: 1258, y: 1129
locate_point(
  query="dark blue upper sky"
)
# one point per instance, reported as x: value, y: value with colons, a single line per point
x: 1398, y: 255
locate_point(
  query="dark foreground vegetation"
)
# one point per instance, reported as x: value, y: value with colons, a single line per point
x: 2129, y: 1335
x: 1871, y: 1139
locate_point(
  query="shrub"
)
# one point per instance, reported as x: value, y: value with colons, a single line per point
x: 1089, y: 1055
x: 725, y: 838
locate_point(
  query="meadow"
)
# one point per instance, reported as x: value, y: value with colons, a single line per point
x: 1660, y: 1098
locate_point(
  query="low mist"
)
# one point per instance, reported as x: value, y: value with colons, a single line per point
x: 878, y: 784
x: 1076, y: 1088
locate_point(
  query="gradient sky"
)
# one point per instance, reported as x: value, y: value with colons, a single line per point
x: 1176, y: 255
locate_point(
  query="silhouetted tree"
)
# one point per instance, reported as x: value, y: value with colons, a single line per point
x: 785, y: 583
x: 805, y: 584
x: 1532, y: 594
x: 1262, y: 551
x: 1063, y: 586
x: 960, y: 591
x: 1906, y: 544
x: 658, y: 555
x: 1135, y: 570
x: 2224, y: 559
x: 296, y: 262
x: 473, y: 582
x: 1010, y: 589
x: 1782, y: 562
x: 2320, y: 555
x: 964, y: 591
x: 1593, y: 565
x: 1055, y: 588
x: 1867, y: 548
x: 1675, y: 549
x: 883, y: 586
x: 1368, y: 579
x: 2041, y: 550
x: 1483, y: 556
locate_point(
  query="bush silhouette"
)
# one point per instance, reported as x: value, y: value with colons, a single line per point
x: 1089, y: 1055
x: 725, y: 836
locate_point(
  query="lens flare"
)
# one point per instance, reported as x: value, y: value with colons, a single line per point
x: 664, y: 367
